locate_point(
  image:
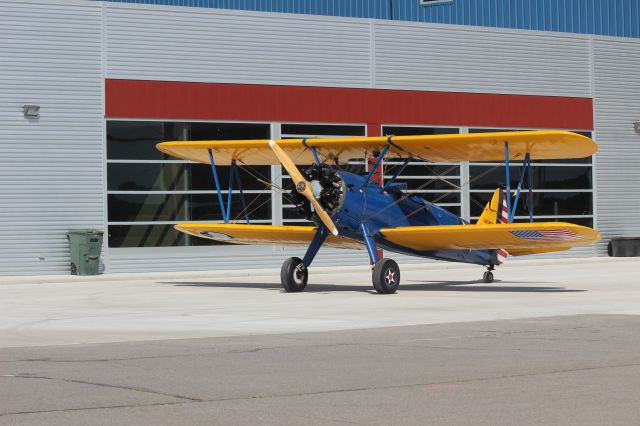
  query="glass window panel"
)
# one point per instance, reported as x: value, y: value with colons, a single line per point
x: 556, y: 177
x: 290, y: 213
x: 452, y: 209
x: 451, y: 184
x: 148, y: 177
x: 207, y: 207
x: 148, y: 207
x: 172, y: 177
x: 357, y: 169
x: 322, y: 129
x: 559, y: 177
x: 202, y: 177
x: 440, y: 197
x: 145, y: 236
x: 183, y: 207
x: 136, y: 140
x: 477, y: 130
x: 417, y: 130
x: 228, y: 131
x: 544, y: 203
x: 423, y: 169
x: 491, y: 177
x: 587, y: 160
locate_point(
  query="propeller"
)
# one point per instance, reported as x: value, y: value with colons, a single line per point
x: 302, y: 186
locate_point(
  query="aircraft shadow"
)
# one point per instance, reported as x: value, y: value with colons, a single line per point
x: 465, y: 286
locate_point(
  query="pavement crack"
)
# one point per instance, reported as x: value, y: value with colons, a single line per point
x: 105, y: 385
x: 102, y: 407
x: 183, y: 400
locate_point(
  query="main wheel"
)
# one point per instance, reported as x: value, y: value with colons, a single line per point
x: 294, y: 275
x: 386, y: 276
x: 487, y: 277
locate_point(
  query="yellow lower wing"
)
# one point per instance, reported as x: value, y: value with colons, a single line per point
x: 263, y: 234
x: 517, y: 238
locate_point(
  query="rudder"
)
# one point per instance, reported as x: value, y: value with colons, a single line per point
x: 490, y: 214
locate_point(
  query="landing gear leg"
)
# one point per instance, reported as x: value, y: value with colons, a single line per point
x: 294, y: 273
x: 487, y: 277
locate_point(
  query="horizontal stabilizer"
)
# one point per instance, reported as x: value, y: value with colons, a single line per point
x: 263, y: 234
x: 516, y: 238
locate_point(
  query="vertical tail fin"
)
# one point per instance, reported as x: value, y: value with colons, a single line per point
x: 496, y: 212
x: 490, y: 215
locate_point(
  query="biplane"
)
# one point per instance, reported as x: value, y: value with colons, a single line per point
x: 352, y: 211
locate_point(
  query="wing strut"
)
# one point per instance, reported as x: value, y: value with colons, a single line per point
x: 526, y: 167
x: 378, y: 160
x: 234, y: 173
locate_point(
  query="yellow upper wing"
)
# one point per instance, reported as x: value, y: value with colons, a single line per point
x: 438, y: 148
x: 521, y: 238
x: 262, y: 234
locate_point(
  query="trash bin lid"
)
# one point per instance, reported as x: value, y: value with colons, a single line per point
x: 85, y: 232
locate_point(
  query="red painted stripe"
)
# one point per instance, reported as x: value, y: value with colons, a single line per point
x: 215, y: 101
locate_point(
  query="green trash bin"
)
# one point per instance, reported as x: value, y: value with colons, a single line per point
x: 85, y: 245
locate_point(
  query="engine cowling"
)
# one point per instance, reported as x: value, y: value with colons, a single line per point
x: 327, y: 186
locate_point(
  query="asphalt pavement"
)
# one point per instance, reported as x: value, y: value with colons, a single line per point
x: 547, y: 343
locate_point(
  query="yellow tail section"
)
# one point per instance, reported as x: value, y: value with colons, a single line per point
x: 490, y: 214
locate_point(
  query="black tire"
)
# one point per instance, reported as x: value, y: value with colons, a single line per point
x: 74, y: 269
x: 294, y: 275
x: 386, y: 276
x: 487, y: 277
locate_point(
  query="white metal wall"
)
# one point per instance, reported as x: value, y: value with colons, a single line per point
x: 616, y: 65
x: 51, y: 169
x: 468, y: 59
x: 213, y: 45
x: 205, y: 45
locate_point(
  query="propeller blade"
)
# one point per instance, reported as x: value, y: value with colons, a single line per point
x: 302, y: 186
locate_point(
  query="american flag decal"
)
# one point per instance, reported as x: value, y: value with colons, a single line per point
x: 548, y: 235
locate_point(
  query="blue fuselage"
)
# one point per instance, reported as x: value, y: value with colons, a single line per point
x: 393, y: 209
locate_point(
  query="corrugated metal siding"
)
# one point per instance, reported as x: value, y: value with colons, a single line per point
x: 423, y: 57
x: 230, y: 47
x: 617, y: 107
x: 192, y: 45
x: 379, y: 9
x: 51, y: 169
x: 603, y: 17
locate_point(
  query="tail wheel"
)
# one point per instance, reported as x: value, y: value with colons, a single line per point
x: 294, y: 275
x: 386, y: 276
x: 487, y: 277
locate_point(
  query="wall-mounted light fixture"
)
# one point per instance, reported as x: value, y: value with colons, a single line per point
x: 636, y: 126
x: 31, y: 111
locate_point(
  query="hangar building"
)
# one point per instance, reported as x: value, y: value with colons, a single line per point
x: 112, y: 79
